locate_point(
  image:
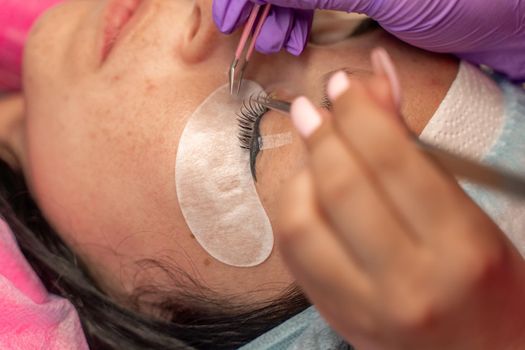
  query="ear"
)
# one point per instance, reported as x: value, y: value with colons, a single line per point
x: 200, y: 35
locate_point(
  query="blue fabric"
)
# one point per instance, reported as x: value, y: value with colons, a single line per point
x: 308, y: 331
x: 305, y: 331
x: 507, y: 152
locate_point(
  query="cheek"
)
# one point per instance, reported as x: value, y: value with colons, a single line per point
x: 65, y: 164
x: 94, y: 170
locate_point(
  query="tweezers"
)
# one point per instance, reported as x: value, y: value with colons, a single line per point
x: 243, y: 48
x: 481, y: 174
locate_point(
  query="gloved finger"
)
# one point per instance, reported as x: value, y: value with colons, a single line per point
x: 230, y: 14
x: 276, y: 30
x: 300, y: 31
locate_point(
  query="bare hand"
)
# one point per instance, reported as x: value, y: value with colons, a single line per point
x: 390, y: 249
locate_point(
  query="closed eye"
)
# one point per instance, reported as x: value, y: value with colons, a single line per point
x: 249, y: 120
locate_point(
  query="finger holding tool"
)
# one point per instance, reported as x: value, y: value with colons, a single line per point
x: 482, y: 174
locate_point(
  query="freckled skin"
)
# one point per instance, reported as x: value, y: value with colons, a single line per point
x: 100, y: 141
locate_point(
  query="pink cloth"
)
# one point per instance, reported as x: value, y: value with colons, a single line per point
x: 30, y: 317
x: 16, y: 19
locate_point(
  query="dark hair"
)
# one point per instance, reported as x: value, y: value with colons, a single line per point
x: 196, y: 320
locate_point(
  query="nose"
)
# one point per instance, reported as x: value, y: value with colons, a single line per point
x: 201, y: 37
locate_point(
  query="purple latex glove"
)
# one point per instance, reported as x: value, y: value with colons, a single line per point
x: 285, y: 28
x: 482, y: 31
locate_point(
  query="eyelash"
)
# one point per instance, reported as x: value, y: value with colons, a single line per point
x: 249, y: 118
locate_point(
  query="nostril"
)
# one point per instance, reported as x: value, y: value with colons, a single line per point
x: 199, y: 37
x: 195, y: 22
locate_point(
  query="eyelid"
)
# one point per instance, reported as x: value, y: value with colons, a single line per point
x: 249, y: 119
x: 255, y: 132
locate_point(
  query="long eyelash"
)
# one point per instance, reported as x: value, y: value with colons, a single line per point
x: 249, y: 118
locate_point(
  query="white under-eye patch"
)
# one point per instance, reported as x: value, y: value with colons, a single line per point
x: 275, y: 140
x: 215, y: 189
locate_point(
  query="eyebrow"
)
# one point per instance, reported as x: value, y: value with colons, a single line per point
x: 325, y: 78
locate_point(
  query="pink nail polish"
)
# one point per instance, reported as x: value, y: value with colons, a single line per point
x: 338, y: 85
x: 383, y: 65
x: 305, y: 116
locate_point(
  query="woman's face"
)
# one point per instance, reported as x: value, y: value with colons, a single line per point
x: 103, y: 123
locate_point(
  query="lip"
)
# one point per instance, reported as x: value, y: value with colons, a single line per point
x: 117, y: 18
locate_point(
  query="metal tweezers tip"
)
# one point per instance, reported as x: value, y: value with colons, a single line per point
x: 231, y: 74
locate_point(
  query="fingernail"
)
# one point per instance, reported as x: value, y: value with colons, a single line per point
x: 383, y: 64
x: 338, y: 85
x: 305, y: 116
